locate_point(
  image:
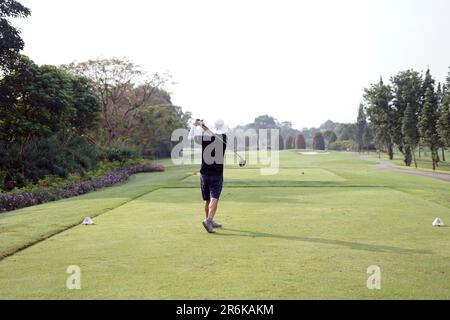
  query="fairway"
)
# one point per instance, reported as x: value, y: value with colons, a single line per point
x: 309, y: 232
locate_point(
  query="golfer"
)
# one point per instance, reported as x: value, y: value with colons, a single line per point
x: 213, y: 155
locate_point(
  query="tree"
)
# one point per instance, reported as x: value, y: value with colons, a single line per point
x: 427, y: 126
x: 86, y: 104
x: 300, y: 142
x: 361, y: 125
x: 264, y: 122
x: 44, y: 113
x: 367, y: 137
x: 439, y: 103
x: 308, y: 134
x: 154, y: 129
x: 287, y: 130
x: 410, y: 132
x: 280, y: 143
x: 443, y: 124
x: 440, y: 96
x: 346, y: 131
x: 289, y: 144
x: 318, y: 141
x: 124, y: 90
x: 429, y: 84
x: 379, y: 110
x: 329, y: 137
x: 407, y: 89
x: 39, y: 101
x: 11, y: 42
x: 328, y: 126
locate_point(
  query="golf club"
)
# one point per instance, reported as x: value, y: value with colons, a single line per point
x: 242, y: 161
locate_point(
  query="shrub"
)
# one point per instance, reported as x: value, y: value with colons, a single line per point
x: 289, y: 144
x: 318, y: 141
x: 39, y: 158
x: 300, y: 142
x: 21, y: 199
x: 347, y: 145
x: 119, y: 152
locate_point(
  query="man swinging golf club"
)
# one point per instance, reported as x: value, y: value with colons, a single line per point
x: 214, y: 143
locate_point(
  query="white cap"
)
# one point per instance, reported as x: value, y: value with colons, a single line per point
x: 220, y: 127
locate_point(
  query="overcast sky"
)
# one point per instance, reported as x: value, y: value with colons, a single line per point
x: 299, y: 61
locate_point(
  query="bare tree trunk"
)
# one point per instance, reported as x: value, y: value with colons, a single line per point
x: 414, y: 157
x: 391, y: 152
x: 443, y: 154
x: 433, y: 156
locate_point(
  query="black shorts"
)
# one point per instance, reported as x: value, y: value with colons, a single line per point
x: 211, y: 187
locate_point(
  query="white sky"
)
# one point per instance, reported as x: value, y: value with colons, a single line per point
x: 299, y: 61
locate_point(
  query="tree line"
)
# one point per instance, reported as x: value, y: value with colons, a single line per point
x: 290, y: 138
x: 60, y: 120
x: 408, y: 113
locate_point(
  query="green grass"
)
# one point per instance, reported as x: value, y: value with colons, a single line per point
x: 423, y: 162
x: 289, y: 236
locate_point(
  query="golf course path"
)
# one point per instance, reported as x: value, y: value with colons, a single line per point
x: 389, y: 166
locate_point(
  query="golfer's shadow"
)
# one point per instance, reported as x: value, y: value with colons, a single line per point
x: 350, y: 245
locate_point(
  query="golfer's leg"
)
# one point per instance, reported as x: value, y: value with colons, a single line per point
x: 207, y: 202
x: 213, y: 208
x: 216, y: 190
x: 206, y: 194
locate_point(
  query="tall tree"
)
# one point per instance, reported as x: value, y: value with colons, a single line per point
x: 154, y: 129
x: 346, y: 131
x: 367, y: 137
x: 124, y: 91
x: 429, y: 84
x: 443, y: 124
x: 410, y: 133
x: 379, y: 110
x: 300, y: 142
x: 11, y: 43
x: 361, y: 125
x: 427, y: 126
x: 318, y: 141
x: 440, y: 98
x: 287, y: 130
x: 407, y: 89
x: 329, y: 137
x: 328, y: 126
x: 280, y: 143
x: 440, y: 94
x: 39, y: 101
x: 264, y: 122
x: 289, y: 144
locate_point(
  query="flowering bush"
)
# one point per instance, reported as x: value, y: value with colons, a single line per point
x: 21, y: 199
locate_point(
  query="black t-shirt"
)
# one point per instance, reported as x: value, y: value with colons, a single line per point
x: 212, y: 166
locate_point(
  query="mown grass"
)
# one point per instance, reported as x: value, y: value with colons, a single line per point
x: 290, y: 236
x: 423, y: 161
